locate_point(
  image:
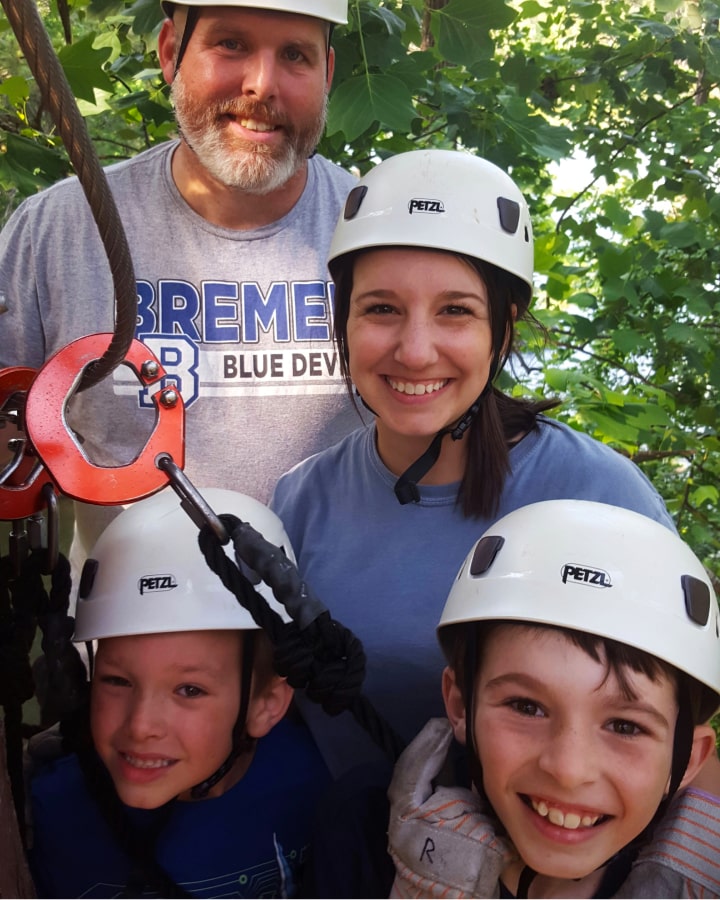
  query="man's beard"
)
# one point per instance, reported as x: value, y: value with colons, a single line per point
x: 237, y: 163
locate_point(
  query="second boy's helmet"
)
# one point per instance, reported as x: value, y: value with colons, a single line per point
x: 595, y: 568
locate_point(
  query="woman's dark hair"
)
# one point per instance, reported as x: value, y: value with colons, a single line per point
x: 619, y: 659
x: 501, y: 419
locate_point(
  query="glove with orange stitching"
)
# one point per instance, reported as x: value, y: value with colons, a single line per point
x: 441, y: 842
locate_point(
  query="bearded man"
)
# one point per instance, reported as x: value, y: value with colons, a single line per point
x: 228, y: 227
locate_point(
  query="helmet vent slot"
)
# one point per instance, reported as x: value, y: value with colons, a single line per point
x: 87, y: 578
x: 485, y: 552
x: 697, y: 599
x: 354, y: 201
x: 509, y: 211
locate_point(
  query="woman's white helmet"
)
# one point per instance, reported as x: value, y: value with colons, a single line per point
x: 334, y: 11
x: 438, y: 200
x: 595, y: 568
x: 147, y: 574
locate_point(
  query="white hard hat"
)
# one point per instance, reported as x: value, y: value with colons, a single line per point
x: 330, y: 10
x: 595, y: 568
x: 151, y: 577
x: 439, y: 200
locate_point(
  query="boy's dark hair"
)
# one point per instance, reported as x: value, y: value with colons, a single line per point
x: 500, y: 418
x: 618, y: 657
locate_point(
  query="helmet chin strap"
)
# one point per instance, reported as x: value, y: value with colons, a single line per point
x: 192, y: 16
x: 199, y: 791
x: 406, y: 487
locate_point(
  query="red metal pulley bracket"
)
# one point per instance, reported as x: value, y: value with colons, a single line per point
x: 21, y: 493
x: 73, y: 472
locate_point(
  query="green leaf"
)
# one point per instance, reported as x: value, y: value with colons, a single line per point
x: 15, y: 89
x: 83, y: 68
x: 629, y: 340
x: 681, y: 234
x: 360, y: 102
x: 615, y: 430
x: 560, y: 380
x: 706, y: 493
x: 689, y: 335
x: 583, y: 300
x: 147, y: 15
x: 32, y: 165
x: 463, y: 28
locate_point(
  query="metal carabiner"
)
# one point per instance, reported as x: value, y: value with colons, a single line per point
x: 44, y: 534
x: 48, y: 430
x: 193, y: 502
x: 23, y: 479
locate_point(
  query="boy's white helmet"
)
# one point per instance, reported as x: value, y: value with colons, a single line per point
x: 330, y: 10
x: 595, y: 568
x: 147, y: 574
x: 439, y: 200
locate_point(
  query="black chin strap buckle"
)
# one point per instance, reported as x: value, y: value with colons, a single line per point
x: 406, y: 491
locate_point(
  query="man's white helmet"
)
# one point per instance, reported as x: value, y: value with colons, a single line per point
x: 147, y: 574
x: 596, y: 568
x: 330, y: 10
x: 439, y: 200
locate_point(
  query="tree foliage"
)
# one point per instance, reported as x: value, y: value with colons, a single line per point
x: 625, y: 92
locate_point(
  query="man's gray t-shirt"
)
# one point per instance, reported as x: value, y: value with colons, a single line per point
x: 240, y: 320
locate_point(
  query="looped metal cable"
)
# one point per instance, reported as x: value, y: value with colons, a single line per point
x: 57, y: 97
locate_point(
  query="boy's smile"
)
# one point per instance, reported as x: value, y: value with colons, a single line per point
x: 163, y: 709
x: 566, y: 817
x: 573, y: 767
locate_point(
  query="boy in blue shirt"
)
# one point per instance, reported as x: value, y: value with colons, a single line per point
x: 195, y: 777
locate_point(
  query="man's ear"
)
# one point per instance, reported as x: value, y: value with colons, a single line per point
x: 454, y: 704
x: 167, y: 49
x: 330, y: 67
x: 267, y: 706
x: 703, y: 745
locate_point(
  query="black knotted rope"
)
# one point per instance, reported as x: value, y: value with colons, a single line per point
x: 66, y: 685
x: 19, y: 594
x: 25, y: 604
x: 313, y: 651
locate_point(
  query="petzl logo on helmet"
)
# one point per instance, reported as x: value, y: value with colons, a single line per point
x: 152, y: 583
x: 576, y: 574
x: 416, y: 205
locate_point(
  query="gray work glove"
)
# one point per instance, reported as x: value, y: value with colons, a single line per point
x: 441, y: 842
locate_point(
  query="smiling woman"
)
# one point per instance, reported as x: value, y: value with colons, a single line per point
x: 420, y: 328
x: 432, y: 261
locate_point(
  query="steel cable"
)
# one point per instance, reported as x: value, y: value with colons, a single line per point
x: 58, y: 98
